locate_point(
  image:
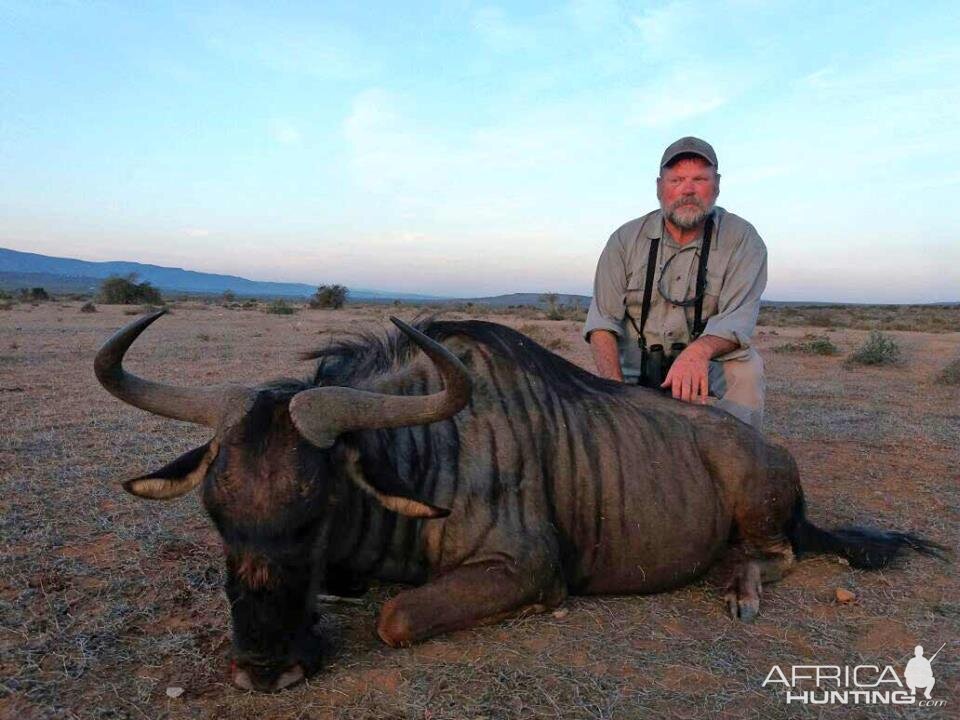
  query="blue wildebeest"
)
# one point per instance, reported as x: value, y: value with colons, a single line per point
x: 490, y: 473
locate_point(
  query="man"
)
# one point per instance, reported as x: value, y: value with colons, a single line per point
x: 713, y: 319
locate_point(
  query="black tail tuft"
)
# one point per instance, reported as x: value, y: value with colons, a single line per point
x: 864, y: 548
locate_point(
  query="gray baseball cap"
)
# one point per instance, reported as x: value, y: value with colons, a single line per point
x: 691, y: 145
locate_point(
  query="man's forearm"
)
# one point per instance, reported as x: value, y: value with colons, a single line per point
x: 606, y: 354
x: 710, y: 346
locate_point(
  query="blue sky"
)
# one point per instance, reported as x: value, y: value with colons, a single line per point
x: 466, y: 148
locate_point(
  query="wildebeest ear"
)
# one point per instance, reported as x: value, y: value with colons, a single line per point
x: 176, y: 478
x: 398, y: 501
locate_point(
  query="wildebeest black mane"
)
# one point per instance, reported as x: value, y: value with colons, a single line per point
x: 362, y: 355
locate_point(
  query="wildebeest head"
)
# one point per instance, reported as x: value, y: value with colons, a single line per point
x: 271, y: 493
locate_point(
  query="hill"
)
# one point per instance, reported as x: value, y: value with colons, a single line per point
x: 23, y: 269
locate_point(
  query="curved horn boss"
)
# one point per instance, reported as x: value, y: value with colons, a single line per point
x: 321, y: 414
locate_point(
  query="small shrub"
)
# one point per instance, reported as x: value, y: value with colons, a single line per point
x: 329, y: 297
x: 228, y: 296
x: 88, y: 307
x: 555, y: 310
x: 279, y: 307
x: 811, y: 345
x: 950, y: 375
x: 34, y: 295
x: 879, y: 349
x: 116, y: 290
x: 203, y: 337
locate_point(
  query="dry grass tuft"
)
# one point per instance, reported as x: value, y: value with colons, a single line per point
x: 810, y: 345
x: 950, y: 375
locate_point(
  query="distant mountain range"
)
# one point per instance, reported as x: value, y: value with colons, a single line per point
x: 66, y: 275
x: 23, y: 269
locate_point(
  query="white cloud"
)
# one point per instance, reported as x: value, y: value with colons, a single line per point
x: 684, y: 93
x: 286, y: 44
x: 666, y: 30
x: 499, y: 32
x: 196, y: 232
x: 593, y: 16
x: 284, y: 132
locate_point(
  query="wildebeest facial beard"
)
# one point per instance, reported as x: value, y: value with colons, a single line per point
x: 272, y: 611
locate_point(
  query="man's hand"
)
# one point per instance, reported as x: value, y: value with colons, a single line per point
x: 687, y: 379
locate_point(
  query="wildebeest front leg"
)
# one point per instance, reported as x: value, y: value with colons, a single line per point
x: 466, y: 596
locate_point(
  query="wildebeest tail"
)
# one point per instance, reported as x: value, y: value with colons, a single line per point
x: 865, y: 548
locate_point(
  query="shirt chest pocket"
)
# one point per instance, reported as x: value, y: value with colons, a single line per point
x: 636, y: 281
x: 711, y: 293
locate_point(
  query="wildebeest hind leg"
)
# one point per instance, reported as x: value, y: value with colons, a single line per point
x: 758, y: 567
x: 464, y: 597
x: 762, y: 510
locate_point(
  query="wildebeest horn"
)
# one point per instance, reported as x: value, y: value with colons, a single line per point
x: 203, y: 406
x: 321, y: 414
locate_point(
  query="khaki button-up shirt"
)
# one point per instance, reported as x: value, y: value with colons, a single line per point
x: 736, y: 277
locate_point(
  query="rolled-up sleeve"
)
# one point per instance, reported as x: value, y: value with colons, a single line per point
x: 739, y: 301
x: 609, y: 291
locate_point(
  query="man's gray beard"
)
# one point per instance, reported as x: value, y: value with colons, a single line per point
x: 687, y: 216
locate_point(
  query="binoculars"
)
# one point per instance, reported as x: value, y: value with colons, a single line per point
x: 655, y: 363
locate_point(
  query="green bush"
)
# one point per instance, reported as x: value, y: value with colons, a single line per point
x: 811, y: 345
x: 279, y: 307
x: 329, y: 297
x: 950, y: 375
x: 88, y: 307
x: 879, y: 349
x: 555, y: 310
x: 37, y: 294
x: 116, y: 290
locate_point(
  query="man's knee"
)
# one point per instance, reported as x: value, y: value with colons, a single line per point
x: 740, y: 387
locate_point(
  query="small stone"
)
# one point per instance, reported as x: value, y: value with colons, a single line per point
x: 174, y: 692
x: 561, y: 613
x: 844, y: 596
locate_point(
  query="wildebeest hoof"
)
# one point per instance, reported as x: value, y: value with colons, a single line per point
x: 743, y: 592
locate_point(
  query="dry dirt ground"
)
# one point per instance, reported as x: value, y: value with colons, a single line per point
x: 106, y: 601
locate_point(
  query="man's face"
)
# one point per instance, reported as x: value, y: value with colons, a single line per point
x: 687, y: 192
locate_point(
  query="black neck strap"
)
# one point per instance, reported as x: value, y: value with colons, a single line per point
x: 698, y: 323
x: 647, y: 291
